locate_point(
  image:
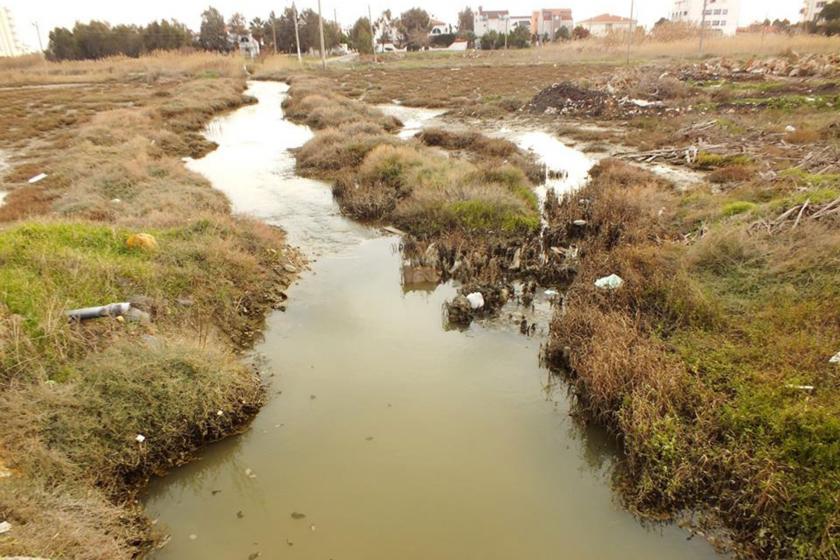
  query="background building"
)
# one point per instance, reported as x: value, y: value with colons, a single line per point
x: 721, y: 15
x: 9, y: 44
x: 605, y: 24
x: 549, y: 21
x: 491, y: 20
x: 811, y: 9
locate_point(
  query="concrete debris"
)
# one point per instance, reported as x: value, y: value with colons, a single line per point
x: 611, y: 282
x: 393, y: 230
x: 476, y: 300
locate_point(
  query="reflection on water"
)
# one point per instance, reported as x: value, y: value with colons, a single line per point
x: 254, y: 168
x: 395, y: 438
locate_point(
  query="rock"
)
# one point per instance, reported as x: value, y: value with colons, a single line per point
x: 459, y: 311
x: 476, y: 300
x: 5, y: 527
x: 611, y: 282
x: 289, y: 268
x: 516, y: 264
x: 138, y: 316
x: 142, y: 241
x: 790, y: 128
x: 580, y: 223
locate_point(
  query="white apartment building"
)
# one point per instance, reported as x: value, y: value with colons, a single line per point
x: 811, y: 9
x: 721, y: 15
x: 9, y: 44
x: 491, y: 20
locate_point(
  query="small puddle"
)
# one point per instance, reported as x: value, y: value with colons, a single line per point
x: 385, y: 435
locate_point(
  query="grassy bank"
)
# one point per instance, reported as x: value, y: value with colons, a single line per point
x: 91, y: 410
x: 381, y: 178
x: 711, y: 362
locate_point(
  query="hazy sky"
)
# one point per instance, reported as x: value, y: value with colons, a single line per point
x: 53, y: 13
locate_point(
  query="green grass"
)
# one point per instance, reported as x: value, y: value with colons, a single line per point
x: 708, y: 160
x: 737, y: 207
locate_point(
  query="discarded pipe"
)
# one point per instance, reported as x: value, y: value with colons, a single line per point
x: 110, y: 310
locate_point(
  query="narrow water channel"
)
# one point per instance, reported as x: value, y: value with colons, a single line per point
x: 386, y: 436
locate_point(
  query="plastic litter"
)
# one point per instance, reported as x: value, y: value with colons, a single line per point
x: 110, y: 310
x: 476, y: 300
x: 140, y: 438
x: 835, y: 359
x: 38, y: 177
x: 611, y: 282
x: 5, y: 527
x: 579, y: 223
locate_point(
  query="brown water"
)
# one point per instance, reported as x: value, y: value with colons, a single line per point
x: 396, y: 438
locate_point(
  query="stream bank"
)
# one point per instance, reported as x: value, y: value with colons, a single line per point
x: 386, y: 435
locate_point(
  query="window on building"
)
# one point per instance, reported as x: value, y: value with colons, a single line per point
x: 725, y: 12
x: 717, y: 12
x: 723, y: 23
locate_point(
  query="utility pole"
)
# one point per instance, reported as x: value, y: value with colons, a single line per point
x: 297, y: 34
x: 321, y: 31
x: 702, y: 26
x: 372, y: 34
x: 507, y: 20
x: 38, y: 32
x: 630, y: 34
x: 274, y: 30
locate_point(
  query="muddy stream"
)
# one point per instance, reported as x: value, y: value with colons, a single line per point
x: 386, y: 436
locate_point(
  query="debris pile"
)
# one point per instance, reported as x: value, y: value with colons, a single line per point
x: 566, y: 97
x: 792, y: 65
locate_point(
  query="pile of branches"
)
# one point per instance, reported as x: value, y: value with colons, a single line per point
x: 792, y: 217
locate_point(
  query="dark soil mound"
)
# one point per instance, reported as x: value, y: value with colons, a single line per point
x: 566, y: 97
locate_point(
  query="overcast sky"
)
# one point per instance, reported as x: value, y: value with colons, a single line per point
x: 53, y: 13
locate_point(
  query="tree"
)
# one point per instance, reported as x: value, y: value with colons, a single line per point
x: 414, y: 24
x: 212, y: 35
x: 489, y: 40
x: 562, y: 34
x: 236, y: 24
x: 466, y: 22
x: 62, y: 45
x: 360, y: 38
x: 520, y: 38
x: 257, y: 28
x: 580, y: 32
x: 829, y: 18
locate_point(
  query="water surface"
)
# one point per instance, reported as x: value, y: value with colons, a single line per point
x: 386, y: 436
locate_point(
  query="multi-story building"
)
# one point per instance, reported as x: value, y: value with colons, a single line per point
x: 720, y: 16
x: 811, y: 9
x: 491, y: 20
x: 9, y: 44
x: 605, y: 24
x: 547, y: 22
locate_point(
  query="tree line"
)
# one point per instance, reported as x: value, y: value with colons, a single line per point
x: 98, y: 39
